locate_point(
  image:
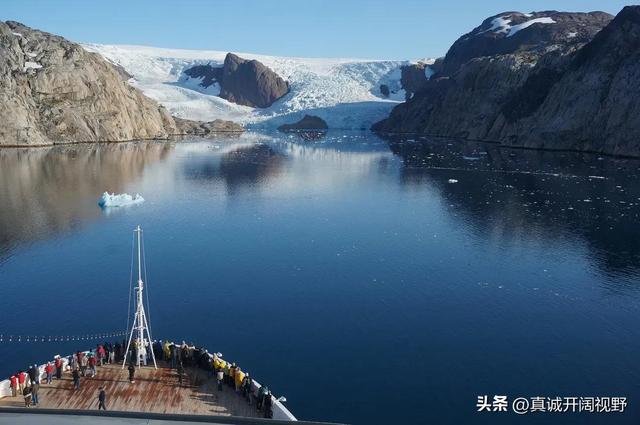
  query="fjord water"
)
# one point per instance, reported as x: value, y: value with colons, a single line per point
x: 369, y: 282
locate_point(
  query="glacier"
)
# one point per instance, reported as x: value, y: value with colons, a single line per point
x: 343, y: 92
x: 120, y: 200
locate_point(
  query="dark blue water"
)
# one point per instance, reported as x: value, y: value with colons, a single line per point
x: 351, y: 275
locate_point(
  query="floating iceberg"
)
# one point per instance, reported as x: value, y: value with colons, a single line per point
x: 119, y: 200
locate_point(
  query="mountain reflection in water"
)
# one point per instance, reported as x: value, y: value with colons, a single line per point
x: 509, y: 193
x: 46, y: 191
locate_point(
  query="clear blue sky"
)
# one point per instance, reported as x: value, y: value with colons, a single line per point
x: 384, y: 29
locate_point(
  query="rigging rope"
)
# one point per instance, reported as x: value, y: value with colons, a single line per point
x: 133, y: 244
x: 146, y: 279
x: 59, y: 338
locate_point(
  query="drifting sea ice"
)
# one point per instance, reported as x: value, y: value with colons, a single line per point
x: 119, y: 200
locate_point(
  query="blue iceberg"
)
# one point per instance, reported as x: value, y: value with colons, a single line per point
x: 120, y: 200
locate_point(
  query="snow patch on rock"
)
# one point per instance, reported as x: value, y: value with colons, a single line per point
x: 31, y: 65
x: 514, y: 29
x: 502, y: 24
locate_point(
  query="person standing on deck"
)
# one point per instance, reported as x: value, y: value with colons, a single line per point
x: 102, y: 398
x: 117, y: 349
x: 232, y: 375
x: 84, y: 362
x: 262, y: 391
x: 58, y: 364
x: 14, y: 385
x: 22, y: 377
x: 101, y: 354
x: 92, y: 365
x: 180, y: 372
x: 35, y: 386
x: 173, y: 350
x: 220, y: 378
x: 166, y: 351
x: 246, y: 388
x: 76, y: 379
x: 132, y: 371
x: 32, y: 374
x: 268, y: 412
x: 75, y: 360
x: 239, y: 379
x: 48, y: 369
x: 27, y: 396
x: 37, y: 370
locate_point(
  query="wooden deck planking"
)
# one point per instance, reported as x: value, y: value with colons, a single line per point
x: 153, y: 391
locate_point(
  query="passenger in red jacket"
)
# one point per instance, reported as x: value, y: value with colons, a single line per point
x: 48, y: 369
x: 92, y: 365
x: 58, y: 364
x: 14, y: 385
x: 22, y: 377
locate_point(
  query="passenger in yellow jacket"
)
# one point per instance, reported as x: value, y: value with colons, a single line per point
x: 166, y: 350
x: 239, y: 378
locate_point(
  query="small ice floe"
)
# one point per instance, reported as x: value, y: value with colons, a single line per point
x: 597, y: 177
x: 120, y: 200
x: 470, y: 158
x: 452, y: 181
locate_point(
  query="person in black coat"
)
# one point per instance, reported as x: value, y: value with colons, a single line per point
x: 132, y: 371
x: 102, y: 398
x: 76, y: 379
x: 32, y: 374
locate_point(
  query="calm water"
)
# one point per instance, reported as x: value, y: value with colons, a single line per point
x: 350, y: 275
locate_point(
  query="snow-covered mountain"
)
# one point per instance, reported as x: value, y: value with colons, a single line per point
x: 344, y: 92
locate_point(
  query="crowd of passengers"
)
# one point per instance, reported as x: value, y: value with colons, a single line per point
x: 84, y: 364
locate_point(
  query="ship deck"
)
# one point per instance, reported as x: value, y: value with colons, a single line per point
x: 154, y: 391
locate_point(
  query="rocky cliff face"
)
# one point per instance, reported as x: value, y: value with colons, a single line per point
x: 245, y: 82
x: 543, y: 80
x: 518, y: 33
x: 52, y: 90
x: 593, y: 104
x: 413, y: 78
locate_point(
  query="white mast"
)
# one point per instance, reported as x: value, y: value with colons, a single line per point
x: 140, y: 325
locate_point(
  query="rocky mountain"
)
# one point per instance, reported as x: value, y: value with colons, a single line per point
x: 53, y: 90
x: 529, y: 34
x: 542, y: 80
x: 593, y: 105
x: 245, y: 82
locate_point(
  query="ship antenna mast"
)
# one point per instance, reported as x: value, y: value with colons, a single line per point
x: 140, y: 326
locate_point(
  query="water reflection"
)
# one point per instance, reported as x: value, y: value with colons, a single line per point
x: 498, y: 193
x: 46, y: 191
x: 238, y: 166
x: 510, y: 194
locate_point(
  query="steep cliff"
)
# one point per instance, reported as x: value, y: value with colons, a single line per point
x: 53, y: 90
x: 594, y: 104
x: 543, y: 80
